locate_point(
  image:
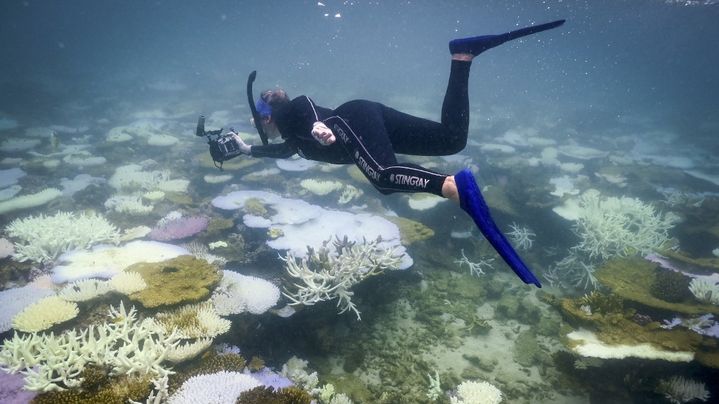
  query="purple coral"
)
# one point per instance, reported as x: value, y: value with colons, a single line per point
x: 179, y: 228
x: 11, y: 389
x: 271, y: 379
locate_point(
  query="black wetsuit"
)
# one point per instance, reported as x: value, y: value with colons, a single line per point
x: 375, y: 134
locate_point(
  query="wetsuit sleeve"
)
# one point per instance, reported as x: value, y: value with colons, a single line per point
x: 279, y: 151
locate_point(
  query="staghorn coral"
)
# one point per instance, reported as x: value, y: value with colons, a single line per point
x: 327, y: 274
x: 680, y: 390
x: 610, y: 226
x: 126, y: 346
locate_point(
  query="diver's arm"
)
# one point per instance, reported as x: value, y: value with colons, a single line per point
x: 276, y: 150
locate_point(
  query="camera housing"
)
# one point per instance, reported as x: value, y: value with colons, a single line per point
x: 222, y: 147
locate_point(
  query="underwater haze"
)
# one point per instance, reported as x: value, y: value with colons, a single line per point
x: 596, y: 145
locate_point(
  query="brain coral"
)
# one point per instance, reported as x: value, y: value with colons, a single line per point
x: 184, y: 279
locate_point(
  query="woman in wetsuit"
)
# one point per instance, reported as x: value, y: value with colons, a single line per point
x: 369, y: 135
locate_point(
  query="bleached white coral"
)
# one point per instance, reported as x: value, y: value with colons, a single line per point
x: 45, y: 313
x: 43, y: 238
x: 327, y: 274
x: 130, y: 178
x: 705, y: 290
x: 475, y: 268
x: 123, y: 344
x: 319, y: 187
x: 238, y: 293
x: 679, y: 390
x: 187, y: 350
x: 29, y: 200
x: 296, y: 370
x: 199, y: 250
x: 215, y: 388
x: 522, y: 237
x: 610, y: 226
x: 84, y: 290
x: 127, y: 283
x: 194, y: 321
x: 472, y: 392
x: 131, y: 204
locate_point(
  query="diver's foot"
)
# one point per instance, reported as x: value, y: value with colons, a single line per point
x: 478, y: 44
x: 472, y: 202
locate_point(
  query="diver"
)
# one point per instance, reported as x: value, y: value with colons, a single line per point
x: 370, y: 135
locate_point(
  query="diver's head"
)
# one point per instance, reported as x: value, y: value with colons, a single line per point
x: 270, y: 100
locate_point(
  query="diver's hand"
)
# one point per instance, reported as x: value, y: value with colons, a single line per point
x: 323, y: 134
x: 244, y: 147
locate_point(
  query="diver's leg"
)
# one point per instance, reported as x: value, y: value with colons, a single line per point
x: 478, y: 44
x: 365, y: 139
x: 419, y: 136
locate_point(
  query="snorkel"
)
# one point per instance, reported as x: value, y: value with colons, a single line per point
x: 260, y: 110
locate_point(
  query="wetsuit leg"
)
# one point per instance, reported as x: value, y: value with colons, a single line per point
x: 359, y: 126
x: 419, y: 136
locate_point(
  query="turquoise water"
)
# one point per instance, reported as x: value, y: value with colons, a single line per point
x: 622, y: 99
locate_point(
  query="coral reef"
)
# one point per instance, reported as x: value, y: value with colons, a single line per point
x: 632, y: 279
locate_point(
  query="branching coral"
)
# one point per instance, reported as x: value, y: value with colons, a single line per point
x: 327, y: 274
x: 53, y: 363
x: 610, y: 226
x: 43, y: 238
x: 680, y: 390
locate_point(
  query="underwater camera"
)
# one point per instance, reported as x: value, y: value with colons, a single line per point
x: 222, y: 147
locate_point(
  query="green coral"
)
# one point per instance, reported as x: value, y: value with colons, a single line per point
x: 255, y: 206
x: 218, y: 225
x: 102, y: 389
x: 410, y: 231
x: 671, y: 286
x: 184, y: 279
x: 266, y: 395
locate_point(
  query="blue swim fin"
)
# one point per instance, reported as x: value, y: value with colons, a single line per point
x: 478, y: 44
x: 472, y: 202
